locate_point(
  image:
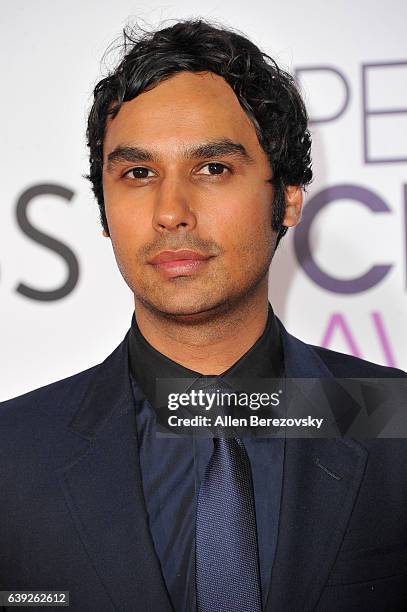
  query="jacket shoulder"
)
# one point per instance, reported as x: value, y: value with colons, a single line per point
x: 53, y: 406
x: 348, y: 366
x: 65, y: 392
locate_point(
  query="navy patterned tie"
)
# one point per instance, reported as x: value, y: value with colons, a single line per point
x: 226, y: 553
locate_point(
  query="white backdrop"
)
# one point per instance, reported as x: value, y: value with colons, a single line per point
x: 351, y: 61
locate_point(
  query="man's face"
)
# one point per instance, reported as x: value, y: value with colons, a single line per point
x: 183, y: 170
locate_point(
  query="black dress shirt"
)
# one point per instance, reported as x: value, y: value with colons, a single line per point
x: 172, y: 467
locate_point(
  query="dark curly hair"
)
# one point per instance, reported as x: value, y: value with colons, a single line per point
x: 268, y: 95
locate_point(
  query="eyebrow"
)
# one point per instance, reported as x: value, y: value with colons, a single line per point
x: 211, y: 149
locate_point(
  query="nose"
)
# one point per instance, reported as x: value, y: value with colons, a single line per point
x: 172, y: 209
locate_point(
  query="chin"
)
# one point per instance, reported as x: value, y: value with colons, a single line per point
x: 186, y: 309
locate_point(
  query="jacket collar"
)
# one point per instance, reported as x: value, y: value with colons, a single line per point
x: 300, y: 360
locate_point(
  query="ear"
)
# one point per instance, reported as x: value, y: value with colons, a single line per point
x: 293, y: 205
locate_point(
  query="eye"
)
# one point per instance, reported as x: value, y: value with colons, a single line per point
x: 139, y: 173
x: 213, y: 169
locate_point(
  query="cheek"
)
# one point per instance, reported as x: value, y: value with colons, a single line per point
x: 128, y: 224
x: 247, y: 224
x: 127, y: 239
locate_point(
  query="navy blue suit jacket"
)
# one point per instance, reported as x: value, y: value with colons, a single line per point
x: 73, y: 517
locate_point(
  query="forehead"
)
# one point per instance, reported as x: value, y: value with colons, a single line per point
x: 185, y: 108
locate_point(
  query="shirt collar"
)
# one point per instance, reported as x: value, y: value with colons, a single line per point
x: 263, y: 360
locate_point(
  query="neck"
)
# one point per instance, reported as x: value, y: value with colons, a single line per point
x: 208, y: 344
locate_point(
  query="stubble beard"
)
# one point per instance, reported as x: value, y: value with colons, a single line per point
x: 190, y: 301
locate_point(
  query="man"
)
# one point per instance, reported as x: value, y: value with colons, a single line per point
x: 199, y: 152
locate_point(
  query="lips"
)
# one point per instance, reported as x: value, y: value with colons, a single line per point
x: 169, y: 256
x: 182, y: 263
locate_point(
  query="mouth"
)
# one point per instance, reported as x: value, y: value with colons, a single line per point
x: 171, y: 264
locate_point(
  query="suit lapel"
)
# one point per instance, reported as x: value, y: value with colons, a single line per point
x: 103, y: 491
x: 320, y: 485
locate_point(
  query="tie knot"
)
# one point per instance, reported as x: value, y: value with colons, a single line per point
x: 221, y: 401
